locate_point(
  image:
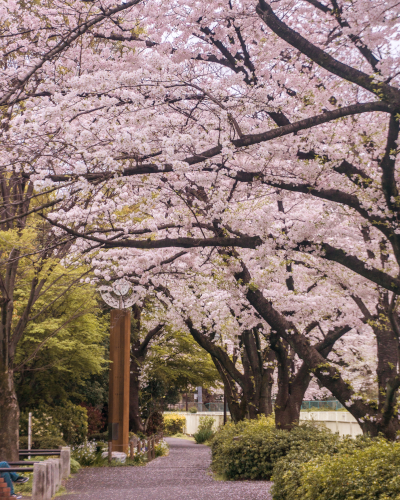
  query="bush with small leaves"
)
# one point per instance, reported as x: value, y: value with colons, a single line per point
x: 173, y: 423
x: 68, y: 423
x: 203, y: 435
x: 365, y: 470
x: 205, y: 431
x: 288, y: 471
x: 250, y: 449
x: 42, y: 443
x: 206, y: 423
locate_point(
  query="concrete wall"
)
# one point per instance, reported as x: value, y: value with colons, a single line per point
x: 193, y: 420
x: 337, y: 421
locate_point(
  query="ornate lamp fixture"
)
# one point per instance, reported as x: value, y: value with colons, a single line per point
x: 121, y: 294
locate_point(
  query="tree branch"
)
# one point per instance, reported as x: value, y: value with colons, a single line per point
x: 322, y: 58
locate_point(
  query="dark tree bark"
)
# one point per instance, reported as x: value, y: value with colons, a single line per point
x: 314, y: 358
x: 139, y: 351
x: 291, y: 386
x: 237, y: 402
x: 9, y: 416
x: 248, y: 393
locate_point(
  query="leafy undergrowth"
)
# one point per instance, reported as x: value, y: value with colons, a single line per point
x: 162, y: 449
x: 361, y: 469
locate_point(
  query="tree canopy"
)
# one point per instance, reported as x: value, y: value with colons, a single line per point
x: 236, y: 161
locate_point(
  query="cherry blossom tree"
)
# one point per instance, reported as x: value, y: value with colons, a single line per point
x: 183, y: 138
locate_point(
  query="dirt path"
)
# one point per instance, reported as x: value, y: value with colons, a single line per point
x: 183, y: 475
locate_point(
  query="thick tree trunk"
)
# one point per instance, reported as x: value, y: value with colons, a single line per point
x: 290, y: 396
x: 9, y: 417
x: 135, y: 422
x: 291, y: 386
x: 258, y: 379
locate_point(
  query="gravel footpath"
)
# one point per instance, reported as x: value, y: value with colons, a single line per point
x: 183, y: 475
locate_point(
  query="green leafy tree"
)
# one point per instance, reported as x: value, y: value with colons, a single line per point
x: 61, y: 348
x: 164, y: 362
x: 175, y: 364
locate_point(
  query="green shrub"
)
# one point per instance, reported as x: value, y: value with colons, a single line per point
x: 45, y: 442
x: 203, y: 435
x: 356, y: 472
x: 67, y: 422
x: 51, y: 442
x: 73, y: 422
x: 250, y: 449
x: 193, y: 409
x: 173, y: 423
x: 206, y: 423
x: 288, y: 471
x: 75, y: 466
x: 100, y: 436
x: 205, y: 431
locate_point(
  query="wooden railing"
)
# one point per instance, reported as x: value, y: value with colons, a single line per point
x: 148, y: 444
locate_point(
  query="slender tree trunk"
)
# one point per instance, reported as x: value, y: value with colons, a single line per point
x: 135, y: 422
x: 9, y: 417
x: 237, y: 403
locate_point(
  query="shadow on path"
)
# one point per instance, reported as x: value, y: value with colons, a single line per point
x: 183, y: 475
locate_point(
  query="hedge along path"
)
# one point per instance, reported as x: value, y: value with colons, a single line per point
x: 183, y: 475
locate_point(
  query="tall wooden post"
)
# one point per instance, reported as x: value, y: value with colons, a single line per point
x: 118, y: 420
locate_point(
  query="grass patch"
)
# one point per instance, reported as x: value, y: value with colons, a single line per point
x: 183, y: 436
x: 25, y: 488
x: 61, y: 491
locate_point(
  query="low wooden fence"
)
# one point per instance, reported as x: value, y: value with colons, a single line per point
x: 147, y: 445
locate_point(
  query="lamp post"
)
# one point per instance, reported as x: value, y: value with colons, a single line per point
x: 120, y: 296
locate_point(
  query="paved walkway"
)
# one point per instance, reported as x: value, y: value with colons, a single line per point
x: 183, y: 475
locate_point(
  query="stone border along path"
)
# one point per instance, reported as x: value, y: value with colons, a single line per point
x: 183, y: 475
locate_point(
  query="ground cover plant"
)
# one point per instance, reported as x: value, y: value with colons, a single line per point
x: 89, y: 454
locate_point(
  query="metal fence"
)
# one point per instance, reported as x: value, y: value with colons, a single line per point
x: 321, y: 405
x: 219, y: 406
